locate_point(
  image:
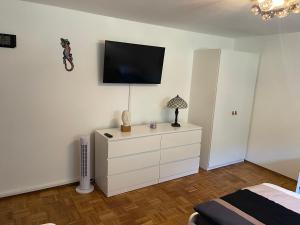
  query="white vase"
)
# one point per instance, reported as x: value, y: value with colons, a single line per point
x: 126, y: 118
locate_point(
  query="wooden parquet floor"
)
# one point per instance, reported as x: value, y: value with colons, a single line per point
x: 168, y: 203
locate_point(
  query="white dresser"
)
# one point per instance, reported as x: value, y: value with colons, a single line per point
x: 145, y: 156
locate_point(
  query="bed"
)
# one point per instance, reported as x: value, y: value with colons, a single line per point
x: 258, y: 205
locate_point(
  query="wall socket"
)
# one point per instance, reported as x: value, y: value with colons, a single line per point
x: 298, y: 185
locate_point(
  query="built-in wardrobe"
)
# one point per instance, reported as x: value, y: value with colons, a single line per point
x: 221, y: 101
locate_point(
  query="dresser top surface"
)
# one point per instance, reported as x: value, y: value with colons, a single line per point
x: 145, y: 130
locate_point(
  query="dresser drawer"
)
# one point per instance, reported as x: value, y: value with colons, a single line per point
x: 180, y: 153
x: 181, y: 138
x: 134, y: 178
x: 171, y: 169
x: 133, y: 162
x: 133, y: 146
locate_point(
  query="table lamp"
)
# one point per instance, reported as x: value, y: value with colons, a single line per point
x: 177, y: 103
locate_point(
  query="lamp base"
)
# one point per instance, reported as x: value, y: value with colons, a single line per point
x: 175, y: 125
x: 125, y: 128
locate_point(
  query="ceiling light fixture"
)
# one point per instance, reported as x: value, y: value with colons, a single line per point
x: 267, y: 9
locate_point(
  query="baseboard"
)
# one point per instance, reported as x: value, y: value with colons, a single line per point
x: 298, y: 185
x: 225, y: 164
x: 276, y: 172
x: 24, y: 190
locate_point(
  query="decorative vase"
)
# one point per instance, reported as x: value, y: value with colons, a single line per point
x: 126, y: 126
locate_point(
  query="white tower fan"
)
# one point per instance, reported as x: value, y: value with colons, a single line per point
x: 85, y: 186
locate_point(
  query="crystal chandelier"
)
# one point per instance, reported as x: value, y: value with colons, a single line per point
x: 267, y: 9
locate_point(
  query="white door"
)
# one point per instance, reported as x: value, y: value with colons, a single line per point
x: 235, y: 93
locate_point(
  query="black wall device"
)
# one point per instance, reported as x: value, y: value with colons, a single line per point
x: 8, y: 40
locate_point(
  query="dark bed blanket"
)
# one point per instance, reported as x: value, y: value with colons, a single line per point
x: 201, y: 219
x: 245, y: 208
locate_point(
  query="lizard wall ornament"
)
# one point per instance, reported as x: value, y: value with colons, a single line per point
x: 67, y: 54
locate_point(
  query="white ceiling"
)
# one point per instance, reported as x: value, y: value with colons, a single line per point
x: 222, y: 17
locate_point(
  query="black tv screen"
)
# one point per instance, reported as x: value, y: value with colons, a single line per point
x: 132, y: 63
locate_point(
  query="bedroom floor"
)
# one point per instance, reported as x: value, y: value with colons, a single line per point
x: 168, y: 203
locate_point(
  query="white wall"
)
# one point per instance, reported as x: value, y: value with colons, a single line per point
x: 275, y: 133
x: 44, y: 109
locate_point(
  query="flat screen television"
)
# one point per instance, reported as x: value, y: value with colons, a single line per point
x: 132, y: 63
